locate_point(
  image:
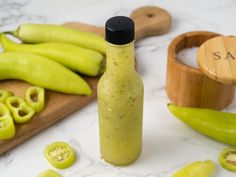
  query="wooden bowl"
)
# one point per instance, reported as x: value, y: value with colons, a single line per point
x: 188, y: 86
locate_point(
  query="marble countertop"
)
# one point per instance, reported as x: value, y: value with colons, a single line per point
x: 168, y: 144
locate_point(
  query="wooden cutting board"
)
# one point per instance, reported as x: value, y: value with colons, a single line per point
x: 149, y: 21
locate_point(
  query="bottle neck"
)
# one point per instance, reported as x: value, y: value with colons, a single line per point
x: 120, y: 57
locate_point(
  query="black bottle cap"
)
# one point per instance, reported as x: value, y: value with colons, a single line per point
x: 119, y: 30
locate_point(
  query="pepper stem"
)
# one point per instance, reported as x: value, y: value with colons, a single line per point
x: 10, y: 32
x: 14, y: 32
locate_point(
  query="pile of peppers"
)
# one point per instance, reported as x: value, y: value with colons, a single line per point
x: 14, y: 109
x: 52, y: 57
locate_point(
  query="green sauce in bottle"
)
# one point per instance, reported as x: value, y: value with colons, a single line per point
x: 120, y: 96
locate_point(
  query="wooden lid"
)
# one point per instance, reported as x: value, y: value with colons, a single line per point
x: 217, y: 59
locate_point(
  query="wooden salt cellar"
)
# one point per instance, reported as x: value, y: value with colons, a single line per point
x: 190, y: 87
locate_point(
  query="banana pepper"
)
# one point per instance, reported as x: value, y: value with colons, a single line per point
x: 218, y: 125
x: 41, y: 71
x: 41, y: 33
x: 197, y: 169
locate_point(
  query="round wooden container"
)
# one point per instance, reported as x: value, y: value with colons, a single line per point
x: 188, y: 86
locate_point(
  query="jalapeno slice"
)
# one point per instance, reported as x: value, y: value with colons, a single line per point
x: 35, y: 97
x: 7, y: 127
x: 19, y: 109
x: 60, y: 155
x: 4, y: 95
x: 49, y: 173
x: 227, y: 159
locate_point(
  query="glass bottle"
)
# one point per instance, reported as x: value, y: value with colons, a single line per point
x: 120, y: 96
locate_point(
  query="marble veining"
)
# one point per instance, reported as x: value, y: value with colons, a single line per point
x: 168, y: 144
x: 11, y: 13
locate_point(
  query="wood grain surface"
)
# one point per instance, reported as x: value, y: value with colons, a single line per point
x: 149, y: 21
x: 217, y: 59
x: 188, y: 86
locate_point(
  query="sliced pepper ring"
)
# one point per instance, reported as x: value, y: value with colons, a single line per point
x: 14, y: 102
x: 23, y: 114
x: 4, y: 95
x: 60, y: 155
x: 7, y: 127
x: 227, y: 159
x: 20, y: 110
x: 35, y: 97
x: 49, y: 173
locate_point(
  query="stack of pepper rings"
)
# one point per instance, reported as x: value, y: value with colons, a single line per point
x: 14, y: 109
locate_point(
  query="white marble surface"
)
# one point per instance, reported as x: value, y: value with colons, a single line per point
x: 168, y: 144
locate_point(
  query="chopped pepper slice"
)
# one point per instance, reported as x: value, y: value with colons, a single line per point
x: 7, y: 127
x: 4, y: 95
x: 60, y: 155
x: 227, y: 159
x: 35, y: 97
x: 49, y: 173
x: 197, y: 169
x: 19, y: 109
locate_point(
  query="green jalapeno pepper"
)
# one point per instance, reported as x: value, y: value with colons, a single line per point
x: 19, y: 109
x: 49, y: 173
x: 7, y: 127
x: 197, y: 169
x: 76, y: 58
x: 4, y: 95
x: 227, y: 159
x: 41, y: 71
x: 35, y: 97
x: 218, y: 125
x: 40, y: 33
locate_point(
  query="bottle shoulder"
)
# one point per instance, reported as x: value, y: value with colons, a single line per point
x: 114, y: 83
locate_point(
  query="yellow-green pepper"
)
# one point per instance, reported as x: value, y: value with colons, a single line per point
x: 227, y: 159
x: 197, y: 169
x: 7, y: 127
x: 60, y: 155
x: 4, y: 95
x: 40, y: 33
x: 218, y: 125
x: 35, y: 97
x: 49, y: 173
x: 76, y: 58
x: 41, y: 71
x: 20, y: 110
